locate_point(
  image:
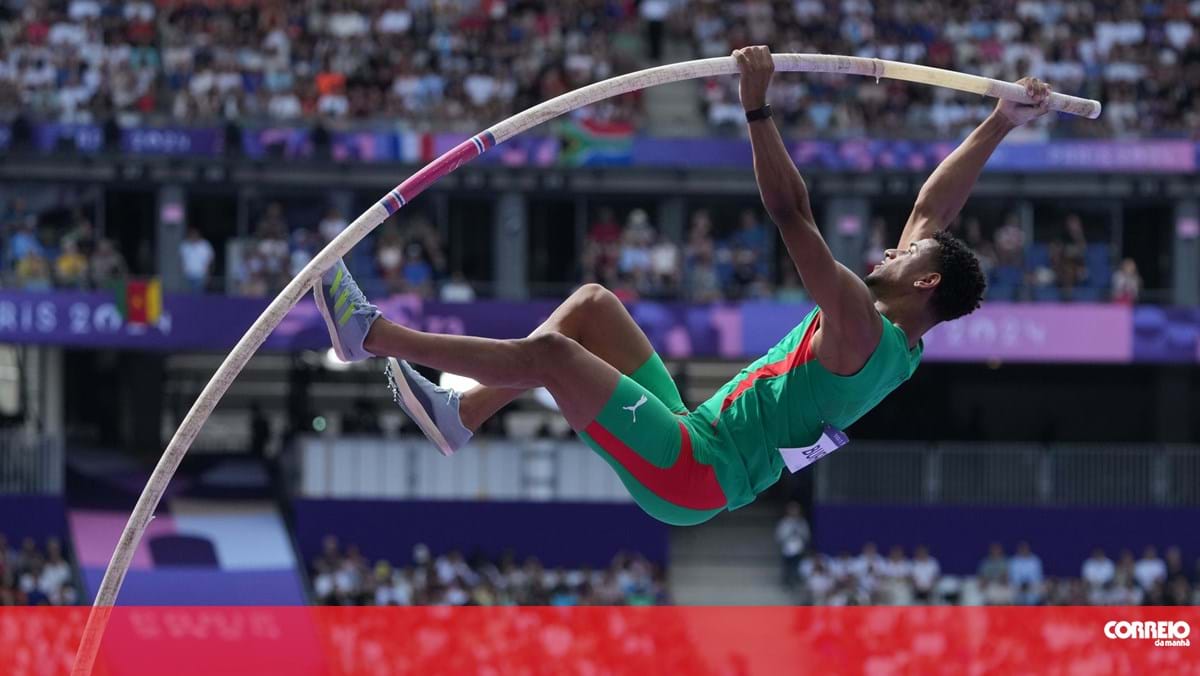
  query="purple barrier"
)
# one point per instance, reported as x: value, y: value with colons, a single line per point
x: 1036, y: 333
x: 35, y: 516
x: 558, y: 533
x: 284, y: 142
x: 204, y: 587
x: 1093, y: 156
x: 959, y: 536
x: 208, y: 142
x: 549, y: 149
x: 1166, y: 334
x: 1040, y: 332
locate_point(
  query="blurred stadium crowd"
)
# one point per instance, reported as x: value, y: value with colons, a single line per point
x: 461, y: 64
x: 452, y: 62
x: 1141, y: 59
x: 39, y: 255
x: 343, y: 576
x: 713, y: 261
x: 33, y: 576
x: 872, y: 578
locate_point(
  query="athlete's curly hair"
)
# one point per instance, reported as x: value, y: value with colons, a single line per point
x: 961, y: 290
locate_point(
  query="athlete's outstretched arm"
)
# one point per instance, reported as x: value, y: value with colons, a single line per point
x: 847, y: 306
x: 946, y: 190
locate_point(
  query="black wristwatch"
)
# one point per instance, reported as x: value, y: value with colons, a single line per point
x: 758, y: 113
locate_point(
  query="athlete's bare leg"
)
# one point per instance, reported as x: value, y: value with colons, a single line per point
x: 580, y: 381
x: 594, y: 318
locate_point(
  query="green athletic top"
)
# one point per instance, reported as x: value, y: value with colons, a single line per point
x: 784, y: 399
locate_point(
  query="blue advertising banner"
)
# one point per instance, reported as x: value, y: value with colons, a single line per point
x: 567, y: 146
x: 1017, y: 332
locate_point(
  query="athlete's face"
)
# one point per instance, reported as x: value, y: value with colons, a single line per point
x: 911, y: 268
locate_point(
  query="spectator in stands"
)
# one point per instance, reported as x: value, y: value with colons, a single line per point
x: 1098, y: 571
x: 82, y: 234
x: 331, y: 226
x: 602, y: 248
x: 253, y: 278
x: 895, y: 575
x: 926, y: 573
x: 745, y: 281
x: 285, y: 65
x: 1125, y: 567
x: 71, y: 267
x: 196, y: 256
x: 13, y: 215
x: 1175, y: 565
x: 389, y: 257
x: 953, y: 39
x: 664, y: 267
x: 304, y: 245
x: 1178, y: 586
x: 1074, y: 265
x: 869, y: 578
x: 1010, y: 243
x: 984, y: 249
x: 451, y: 579
x: 271, y: 248
x: 457, y: 289
x: 1126, y: 282
x: 994, y: 568
x: 1179, y: 592
x: 702, y: 283
x: 634, y: 260
x: 625, y: 288
x: 1150, y: 570
x: 1025, y: 568
x: 849, y: 588
x: 1048, y: 275
x: 792, y: 534
x: 33, y: 272
x: 818, y: 581
x: 605, y: 231
x: 867, y: 564
x: 417, y: 272
x: 753, y: 235
x: 24, y: 242
x: 419, y: 233
x: 654, y: 13
x: 55, y: 572
x: 27, y: 577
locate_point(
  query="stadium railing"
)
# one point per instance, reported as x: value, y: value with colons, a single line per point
x: 1011, y: 474
x: 30, y: 462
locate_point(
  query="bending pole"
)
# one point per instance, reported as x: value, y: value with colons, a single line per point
x: 468, y: 150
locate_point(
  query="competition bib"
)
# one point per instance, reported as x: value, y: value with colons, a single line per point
x: 798, y: 458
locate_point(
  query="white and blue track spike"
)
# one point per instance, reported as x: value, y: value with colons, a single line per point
x: 347, y: 314
x: 434, y: 409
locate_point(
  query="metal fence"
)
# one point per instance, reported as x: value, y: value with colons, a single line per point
x: 30, y: 462
x: 1011, y: 474
x: 411, y: 469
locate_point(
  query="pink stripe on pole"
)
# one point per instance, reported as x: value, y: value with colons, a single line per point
x: 418, y: 182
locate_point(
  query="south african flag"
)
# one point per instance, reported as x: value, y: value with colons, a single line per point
x: 594, y: 143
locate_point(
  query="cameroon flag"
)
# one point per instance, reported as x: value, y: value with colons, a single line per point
x: 140, y: 300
